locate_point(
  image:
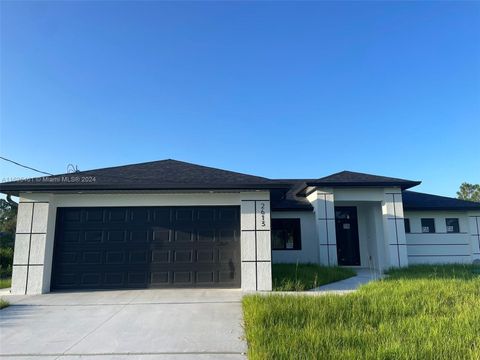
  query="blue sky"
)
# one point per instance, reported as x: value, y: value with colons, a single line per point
x: 282, y: 90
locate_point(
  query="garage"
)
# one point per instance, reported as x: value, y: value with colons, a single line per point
x: 146, y: 247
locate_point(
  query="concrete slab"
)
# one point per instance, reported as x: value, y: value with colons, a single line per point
x: 155, y: 356
x: 122, y: 297
x: 363, y: 276
x: 165, y: 324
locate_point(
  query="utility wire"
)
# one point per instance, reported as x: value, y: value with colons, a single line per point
x: 116, y: 177
x: 25, y: 166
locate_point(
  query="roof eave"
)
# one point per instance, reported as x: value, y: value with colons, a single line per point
x: 288, y: 208
x: 402, y: 185
x: 16, y: 189
x: 441, y: 208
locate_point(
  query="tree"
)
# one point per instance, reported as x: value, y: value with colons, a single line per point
x: 469, y: 192
x: 8, y: 221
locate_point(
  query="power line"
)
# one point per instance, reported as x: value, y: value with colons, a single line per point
x: 25, y: 166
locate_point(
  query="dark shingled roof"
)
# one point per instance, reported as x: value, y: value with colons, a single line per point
x: 157, y: 175
x: 178, y: 175
x: 350, y: 178
x: 420, y: 201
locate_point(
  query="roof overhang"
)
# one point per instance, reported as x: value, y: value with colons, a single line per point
x: 16, y: 189
x: 441, y: 208
x: 312, y: 186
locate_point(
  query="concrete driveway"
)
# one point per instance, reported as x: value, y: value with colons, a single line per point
x: 134, y: 324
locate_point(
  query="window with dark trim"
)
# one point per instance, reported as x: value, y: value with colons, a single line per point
x: 407, y: 225
x: 286, y: 234
x: 428, y: 225
x: 452, y: 225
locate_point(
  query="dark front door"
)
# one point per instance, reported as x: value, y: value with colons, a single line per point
x: 346, y: 227
x: 142, y: 247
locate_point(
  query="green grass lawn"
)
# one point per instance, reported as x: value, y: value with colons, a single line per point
x: 300, y: 277
x: 5, y: 283
x: 423, y: 312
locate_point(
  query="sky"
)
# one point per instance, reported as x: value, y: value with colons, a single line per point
x: 274, y: 89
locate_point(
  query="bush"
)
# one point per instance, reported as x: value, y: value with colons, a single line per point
x: 3, y: 303
x: 6, y: 262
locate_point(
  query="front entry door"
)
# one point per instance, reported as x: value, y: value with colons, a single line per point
x: 346, y: 226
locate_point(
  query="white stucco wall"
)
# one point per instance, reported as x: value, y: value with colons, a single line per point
x: 36, y: 231
x: 372, y: 247
x: 442, y: 247
x: 255, y: 241
x: 309, y: 239
x: 323, y: 202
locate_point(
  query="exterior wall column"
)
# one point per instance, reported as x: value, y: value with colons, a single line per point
x: 323, y: 204
x: 394, y: 229
x: 256, y: 252
x: 474, y: 230
x: 32, y: 253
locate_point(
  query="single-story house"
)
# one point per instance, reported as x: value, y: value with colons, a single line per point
x: 174, y: 224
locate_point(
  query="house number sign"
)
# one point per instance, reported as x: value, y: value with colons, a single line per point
x: 262, y: 215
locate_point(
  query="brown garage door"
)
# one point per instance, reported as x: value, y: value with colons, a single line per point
x: 142, y: 247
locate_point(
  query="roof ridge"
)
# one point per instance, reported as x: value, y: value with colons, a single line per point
x: 362, y: 173
x: 336, y: 173
x: 214, y: 168
x: 108, y: 168
x: 151, y: 162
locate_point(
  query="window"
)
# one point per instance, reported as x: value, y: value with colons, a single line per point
x: 286, y: 234
x: 428, y: 225
x: 452, y: 225
x: 407, y: 225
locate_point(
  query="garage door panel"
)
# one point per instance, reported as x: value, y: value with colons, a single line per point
x: 94, y: 236
x: 183, y: 235
x: 66, y: 257
x: 117, y: 215
x: 161, y: 257
x: 228, y: 215
x: 161, y: 235
x: 67, y: 279
x: 162, y: 216
x: 72, y: 215
x: 206, y: 256
x: 115, y: 257
x: 138, y: 236
x: 92, y: 258
x: 137, y: 278
x: 206, y: 235
x: 141, y: 215
x: 205, y: 277
x: 114, y: 279
x: 146, y: 247
x: 71, y: 237
x: 138, y: 257
x: 116, y: 236
x: 160, y: 278
x: 184, y: 214
x: 227, y: 256
x: 183, y: 278
x: 91, y: 279
x: 183, y: 256
x: 94, y: 215
x: 206, y: 215
x: 226, y: 235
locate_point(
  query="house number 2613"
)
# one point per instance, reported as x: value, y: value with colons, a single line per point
x: 262, y: 214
